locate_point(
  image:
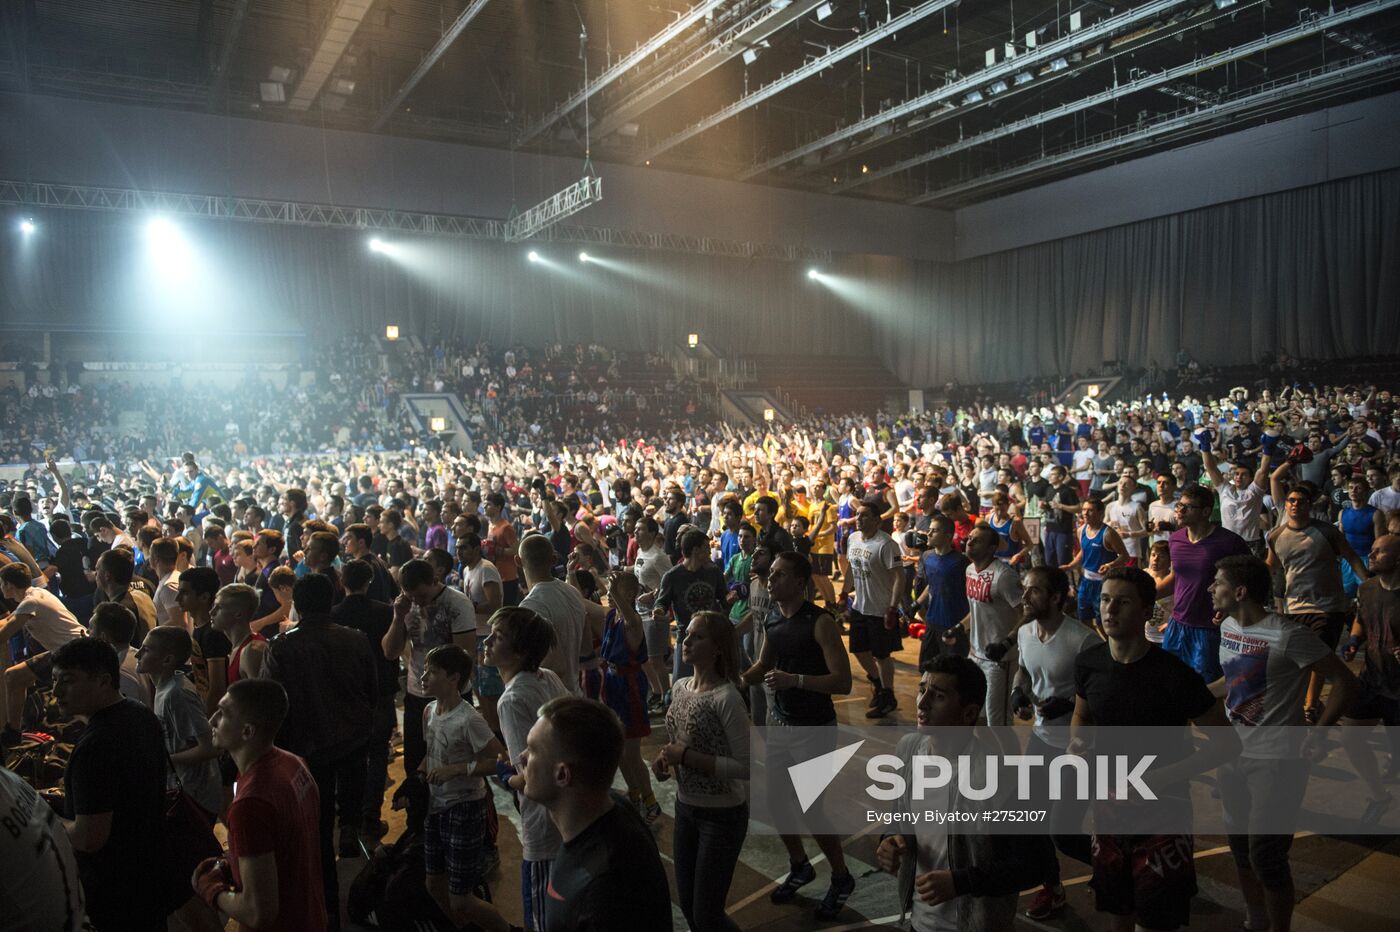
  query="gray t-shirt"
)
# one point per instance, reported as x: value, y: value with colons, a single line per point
x: 874, y: 563
x: 561, y: 605
x: 518, y: 709
x: 1050, y: 666
x: 1312, y: 576
x: 181, y: 713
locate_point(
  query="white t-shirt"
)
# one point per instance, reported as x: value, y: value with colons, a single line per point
x: 477, y: 577
x: 1050, y: 665
x: 874, y: 563
x: 993, y: 598
x: 49, y: 622
x: 931, y: 840
x: 131, y: 685
x: 1265, y: 676
x: 561, y: 605
x: 167, y: 603
x: 651, y: 565
x: 1240, y: 508
x: 1161, y: 511
x: 518, y: 709
x: 455, y: 737
x: 451, y: 613
x: 1124, y: 517
x: 1386, y: 499
x: 1083, y: 465
x: 38, y: 872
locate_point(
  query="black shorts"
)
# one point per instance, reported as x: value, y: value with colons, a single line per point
x: 1152, y: 877
x: 1326, y: 625
x: 1370, y: 705
x: 42, y: 668
x: 823, y: 563
x: 868, y: 634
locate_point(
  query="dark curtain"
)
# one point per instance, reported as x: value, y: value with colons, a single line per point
x: 1314, y: 272
x: 94, y: 270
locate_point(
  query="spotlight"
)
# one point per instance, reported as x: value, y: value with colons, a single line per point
x: 1025, y: 77
x: 391, y: 332
x: 583, y: 257
x: 973, y: 97
x: 865, y: 169
x: 813, y: 273
x: 533, y: 256
x: 998, y: 87
x: 161, y: 232
x: 824, y: 11
x: 376, y: 245
x: 26, y: 226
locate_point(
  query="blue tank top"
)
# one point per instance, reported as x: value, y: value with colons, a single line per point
x: 614, y: 650
x: 1359, y: 527
x: 1009, y: 548
x: 1095, y: 553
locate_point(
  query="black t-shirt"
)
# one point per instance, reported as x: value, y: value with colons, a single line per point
x: 1061, y: 521
x: 610, y: 877
x: 118, y: 766
x: 373, y: 618
x: 70, y: 559
x: 1037, y: 488
x: 686, y: 593
x: 213, y: 644
x: 1158, y: 689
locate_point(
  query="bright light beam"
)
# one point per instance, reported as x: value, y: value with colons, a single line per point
x: 26, y: 226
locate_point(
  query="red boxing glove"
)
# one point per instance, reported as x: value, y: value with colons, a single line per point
x: 211, y: 878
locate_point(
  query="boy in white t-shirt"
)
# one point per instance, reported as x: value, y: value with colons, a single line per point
x: 461, y: 752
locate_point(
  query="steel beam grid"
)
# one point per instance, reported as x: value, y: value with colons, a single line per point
x: 439, y: 48
x: 226, y: 50
x: 1264, y: 43
x: 622, y: 66
x: 583, y: 193
x: 755, y: 26
x: 814, y: 67
x: 296, y: 213
x: 1059, y: 48
x: 1279, y: 91
x: 341, y: 24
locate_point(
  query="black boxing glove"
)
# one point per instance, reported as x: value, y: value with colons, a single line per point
x: 996, y: 651
x: 1020, y: 700
x: 1056, y: 707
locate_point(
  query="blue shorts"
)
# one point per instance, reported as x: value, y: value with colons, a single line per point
x: 1089, y: 592
x: 1198, y: 648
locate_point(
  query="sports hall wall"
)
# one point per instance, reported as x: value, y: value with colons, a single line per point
x: 1311, y: 270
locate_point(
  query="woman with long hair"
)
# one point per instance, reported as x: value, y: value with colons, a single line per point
x: 708, y: 754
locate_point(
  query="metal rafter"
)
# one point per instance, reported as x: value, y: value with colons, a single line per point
x: 753, y: 29
x: 936, y: 98
x: 299, y: 213
x: 219, y: 75
x: 340, y: 29
x: 796, y: 76
x: 638, y: 55
x: 429, y: 60
x: 1293, y: 33
x: 1325, y: 81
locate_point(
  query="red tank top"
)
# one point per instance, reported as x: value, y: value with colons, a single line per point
x: 237, y: 655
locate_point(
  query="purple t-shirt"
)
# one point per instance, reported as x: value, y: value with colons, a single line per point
x: 1194, y: 568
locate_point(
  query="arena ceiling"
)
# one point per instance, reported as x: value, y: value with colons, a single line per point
x: 941, y: 103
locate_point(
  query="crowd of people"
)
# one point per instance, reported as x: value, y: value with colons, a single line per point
x: 247, y: 628
x: 346, y: 396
